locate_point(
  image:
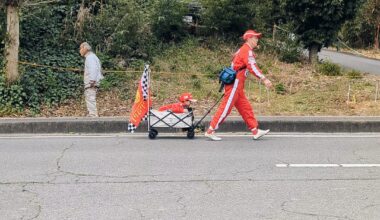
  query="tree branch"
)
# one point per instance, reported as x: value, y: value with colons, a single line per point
x: 42, y: 2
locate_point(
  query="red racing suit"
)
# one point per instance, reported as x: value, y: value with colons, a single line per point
x: 175, y: 108
x: 243, y: 61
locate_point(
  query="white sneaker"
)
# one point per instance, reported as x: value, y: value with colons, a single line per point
x: 212, y: 136
x: 260, y: 133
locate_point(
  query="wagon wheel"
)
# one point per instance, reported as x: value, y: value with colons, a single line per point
x: 190, y: 133
x: 153, y: 133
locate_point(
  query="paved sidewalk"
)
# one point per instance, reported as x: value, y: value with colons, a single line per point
x: 326, y: 124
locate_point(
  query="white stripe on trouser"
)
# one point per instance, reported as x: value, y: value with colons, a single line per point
x: 90, y: 96
x: 232, y: 94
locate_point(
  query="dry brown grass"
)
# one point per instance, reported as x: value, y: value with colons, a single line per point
x: 194, y: 69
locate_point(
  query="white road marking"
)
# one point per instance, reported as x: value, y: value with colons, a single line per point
x: 360, y: 165
x: 326, y: 165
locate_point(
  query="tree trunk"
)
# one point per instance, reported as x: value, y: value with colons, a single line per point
x: 12, y: 44
x: 376, y: 41
x: 313, y: 53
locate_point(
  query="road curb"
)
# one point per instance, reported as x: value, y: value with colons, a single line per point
x: 326, y: 124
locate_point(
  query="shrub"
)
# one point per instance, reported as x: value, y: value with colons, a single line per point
x: 280, y: 89
x: 329, y: 69
x: 11, y: 97
x: 289, y: 54
x: 114, y: 80
x: 43, y: 86
x: 286, y: 46
x: 289, y: 50
x: 197, y: 83
x: 353, y: 74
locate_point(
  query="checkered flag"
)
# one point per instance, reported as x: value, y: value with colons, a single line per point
x: 131, y: 128
x: 140, y: 108
x: 145, y: 117
x: 145, y: 82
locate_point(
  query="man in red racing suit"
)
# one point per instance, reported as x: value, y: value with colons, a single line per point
x: 243, y: 62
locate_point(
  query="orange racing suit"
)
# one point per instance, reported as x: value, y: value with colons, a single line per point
x: 243, y: 62
x: 175, y: 108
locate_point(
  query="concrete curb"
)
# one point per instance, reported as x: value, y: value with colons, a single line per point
x: 325, y: 124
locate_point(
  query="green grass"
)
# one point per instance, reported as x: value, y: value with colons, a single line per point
x: 299, y: 88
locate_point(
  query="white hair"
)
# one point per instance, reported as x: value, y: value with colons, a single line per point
x: 86, y: 45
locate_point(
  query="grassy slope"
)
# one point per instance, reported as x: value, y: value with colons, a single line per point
x: 193, y: 67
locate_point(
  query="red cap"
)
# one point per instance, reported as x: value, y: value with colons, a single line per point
x: 251, y: 33
x: 186, y: 97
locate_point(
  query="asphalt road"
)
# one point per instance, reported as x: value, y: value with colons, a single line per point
x: 351, y: 61
x: 132, y: 177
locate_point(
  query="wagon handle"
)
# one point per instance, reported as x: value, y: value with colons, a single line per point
x: 208, y: 112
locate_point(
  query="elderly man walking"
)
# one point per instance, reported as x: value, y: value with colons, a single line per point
x: 92, y: 77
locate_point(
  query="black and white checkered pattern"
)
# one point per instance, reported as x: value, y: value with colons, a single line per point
x: 145, y: 91
x: 145, y: 117
x: 145, y: 82
x: 131, y: 128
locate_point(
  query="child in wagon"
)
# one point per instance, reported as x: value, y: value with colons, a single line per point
x: 186, y: 99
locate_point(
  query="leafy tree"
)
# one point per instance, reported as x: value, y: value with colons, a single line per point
x: 357, y: 33
x: 228, y: 16
x: 167, y: 20
x: 42, y: 42
x: 266, y: 14
x: 317, y: 23
x: 363, y: 31
x: 118, y: 28
x: 372, y: 11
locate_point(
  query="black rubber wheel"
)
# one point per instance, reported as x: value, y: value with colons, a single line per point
x: 153, y: 133
x: 190, y: 133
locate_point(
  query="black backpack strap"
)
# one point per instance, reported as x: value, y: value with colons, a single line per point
x: 221, y: 86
